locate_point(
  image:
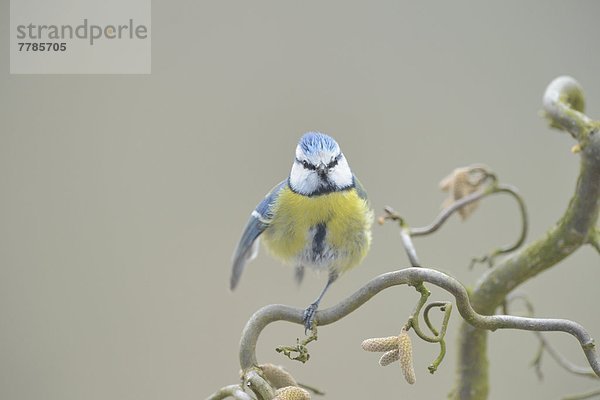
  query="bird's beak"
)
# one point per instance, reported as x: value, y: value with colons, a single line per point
x: 322, y: 170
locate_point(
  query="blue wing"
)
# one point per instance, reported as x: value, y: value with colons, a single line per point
x: 247, y: 248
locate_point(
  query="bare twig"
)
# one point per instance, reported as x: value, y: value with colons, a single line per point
x: 451, y: 209
x: 562, y: 361
x: 405, y: 234
x: 409, y: 246
x: 410, y: 276
x: 545, y: 345
x: 493, y: 187
x: 446, y: 307
x: 234, y: 391
x: 413, y: 320
x: 512, y: 191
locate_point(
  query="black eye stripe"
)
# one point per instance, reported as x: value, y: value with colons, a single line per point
x: 312, y: 167
x: 334, y: 162
x: 307, y: 165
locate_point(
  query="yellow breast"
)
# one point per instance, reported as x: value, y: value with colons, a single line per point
x: 347, y: 220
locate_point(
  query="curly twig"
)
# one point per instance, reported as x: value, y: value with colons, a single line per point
x: 448, y: 211
x: 408, y: 276
x: 407, y: 233
x: 489, y: 258
x: 413, y: 320
x: 564, y: 105
x: 446, y: 307
x: 493, y: 188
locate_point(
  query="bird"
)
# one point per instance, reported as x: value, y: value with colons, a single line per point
x: 318, y: 218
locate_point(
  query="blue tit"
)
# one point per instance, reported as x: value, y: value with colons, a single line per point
x: 318, y: 217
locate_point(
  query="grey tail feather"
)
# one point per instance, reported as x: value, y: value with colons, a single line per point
x: 235, y: 275
x: 240, y: 261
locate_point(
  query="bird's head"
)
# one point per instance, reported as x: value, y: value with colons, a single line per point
x: 320, y: 166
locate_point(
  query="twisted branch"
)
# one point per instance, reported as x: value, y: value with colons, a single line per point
x: 408, y: 276
x: 563, y: 104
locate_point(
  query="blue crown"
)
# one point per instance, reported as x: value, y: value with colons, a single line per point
x: 315, y: 142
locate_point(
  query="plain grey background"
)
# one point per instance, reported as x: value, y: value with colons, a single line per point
x: 123, y: 197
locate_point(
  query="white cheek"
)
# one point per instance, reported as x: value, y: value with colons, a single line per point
x: 302, y: 180
x: 341, y: 174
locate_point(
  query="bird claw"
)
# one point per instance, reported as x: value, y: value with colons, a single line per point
x: 309, y: 317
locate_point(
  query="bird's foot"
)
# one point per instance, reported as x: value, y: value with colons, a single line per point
x: 309, y: 316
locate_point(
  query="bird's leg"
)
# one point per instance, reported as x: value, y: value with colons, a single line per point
x: 299, y: 274
x: 309, y: 313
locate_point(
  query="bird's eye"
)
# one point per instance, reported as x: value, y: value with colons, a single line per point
x: 307, y: 165
x: 334, y: 162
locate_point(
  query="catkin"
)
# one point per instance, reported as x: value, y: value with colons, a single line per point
x: 380, y: 344
x: 277, y: 376
x: 389, y: 357
x: 291, y: 393
x: 406, y: 359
